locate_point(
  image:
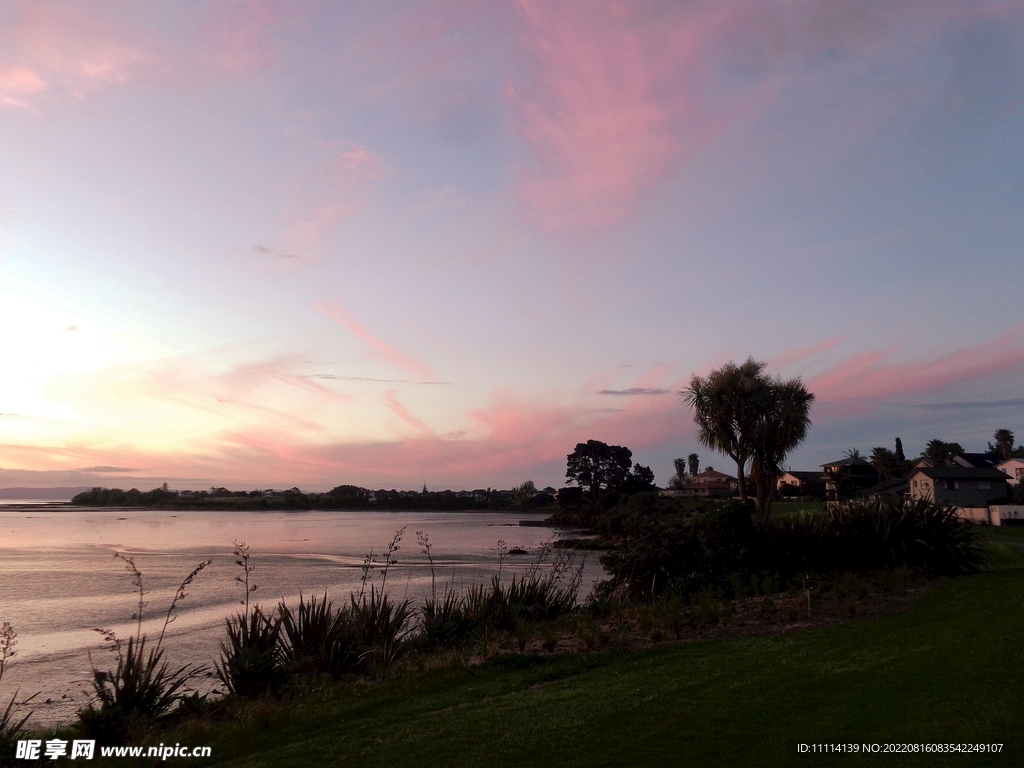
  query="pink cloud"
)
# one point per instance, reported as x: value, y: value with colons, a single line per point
x: 327, y: 194
x: 17, y: 84
x: 64, y: 48
x: 267, y: 393
x: 603, y: 114
x: 791, y: 356
x: 621, y: 94
x: 868, y: 376
x: 239, y: 35
x: 347, y: 320
x: 432, y: 45
x: 391, y: 401
x: 513, y: 438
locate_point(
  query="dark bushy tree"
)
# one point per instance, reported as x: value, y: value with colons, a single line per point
x: 639, y: 480
x: 598, y: 466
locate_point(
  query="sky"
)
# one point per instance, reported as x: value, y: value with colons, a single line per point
x: 274, y: 244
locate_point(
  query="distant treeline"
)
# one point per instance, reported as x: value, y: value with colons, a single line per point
x: 347, y: 497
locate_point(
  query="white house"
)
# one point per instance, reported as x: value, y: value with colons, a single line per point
x: 1014, y: 468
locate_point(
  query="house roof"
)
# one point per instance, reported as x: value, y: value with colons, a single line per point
x: 979, y: 460
x: 889, y: 486
x: 961, y: 473
x: 709, y: 485
x: 712, y: 474
x: 803, y: 476
x: 849, y: 461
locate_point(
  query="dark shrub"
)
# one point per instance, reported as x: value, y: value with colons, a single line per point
x: 535, y: 595
x: 865, y: 536
x: 380, y: 626
x: 722, y: 549
x: 318, y: 638
x: 701, y: 552
x: 141, y: 686
x: 252, y: 659
x: 444, y: 620
x: 570, y: 496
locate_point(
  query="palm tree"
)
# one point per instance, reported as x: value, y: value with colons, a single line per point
x: 726, y: 405
x: 1004, y: 444
x: 783, y: 426
x: 751, y: 417
x: 885, y: 462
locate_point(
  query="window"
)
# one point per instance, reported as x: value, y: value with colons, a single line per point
x: 952, y: 485
x: 984, y: 485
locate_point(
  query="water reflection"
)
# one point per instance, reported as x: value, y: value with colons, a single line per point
x: 59, y: 581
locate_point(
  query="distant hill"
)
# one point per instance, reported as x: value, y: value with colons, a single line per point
x: 50, y: 494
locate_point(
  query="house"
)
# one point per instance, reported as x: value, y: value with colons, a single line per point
x: 847, y: 476
x: 1014, y: 468
x: 708, y: 484
x: 960, y: 486
x: 800, y: 483
x: 712, y: 476
x: 897, y: 487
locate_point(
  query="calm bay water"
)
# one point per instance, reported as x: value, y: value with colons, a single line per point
x: 59, y: 579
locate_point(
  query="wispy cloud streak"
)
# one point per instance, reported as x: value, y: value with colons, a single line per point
x: 869, y: 376
x: 347, y: 320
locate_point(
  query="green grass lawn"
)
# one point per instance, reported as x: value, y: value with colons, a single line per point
x: 949, y: 670
x: 783, y: 508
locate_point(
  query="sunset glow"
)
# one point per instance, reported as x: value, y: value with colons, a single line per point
x: 267, y: 244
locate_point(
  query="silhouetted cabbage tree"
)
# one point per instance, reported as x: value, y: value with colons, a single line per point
x: 753, y: 418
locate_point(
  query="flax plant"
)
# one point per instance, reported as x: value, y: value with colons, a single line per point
x: 10, y: 729
x: 252, y: 660
x: 143, y: 684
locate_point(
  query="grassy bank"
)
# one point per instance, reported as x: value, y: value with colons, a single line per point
x: 787, y: 507
x: 946, y: 671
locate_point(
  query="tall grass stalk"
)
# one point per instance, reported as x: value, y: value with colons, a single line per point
x: 241, y: 553
x: 251, y: 660
x: 143, y: 684
x: 389, y: 559
x: 10, y: 729
x: 424, y: 542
